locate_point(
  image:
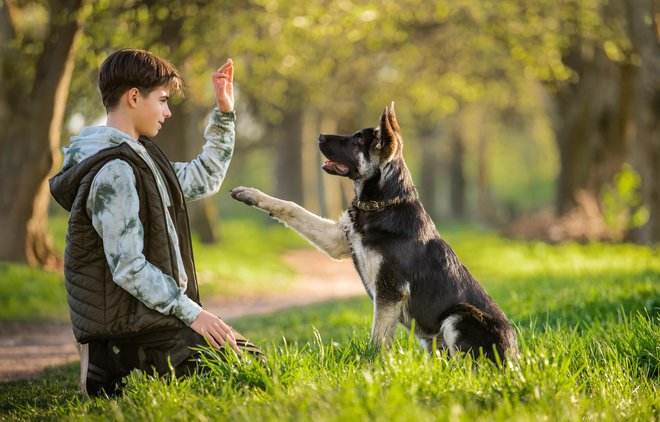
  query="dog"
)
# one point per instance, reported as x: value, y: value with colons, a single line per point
x: 408, y: 270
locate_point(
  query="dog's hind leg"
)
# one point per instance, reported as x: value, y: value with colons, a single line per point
x: 468, y: 329
x: 386, y: 319
x: 325, y: 234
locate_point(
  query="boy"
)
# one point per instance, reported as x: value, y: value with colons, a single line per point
x: 128, y: 264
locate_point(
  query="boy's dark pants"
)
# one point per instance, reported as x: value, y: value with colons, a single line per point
x: 111, y: 360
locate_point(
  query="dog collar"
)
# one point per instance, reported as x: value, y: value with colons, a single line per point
x: 375, y: 205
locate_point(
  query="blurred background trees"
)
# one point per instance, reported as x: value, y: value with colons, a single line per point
x: 540, y: 116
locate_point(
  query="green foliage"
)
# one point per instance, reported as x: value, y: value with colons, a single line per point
x: 343, y: 61
x: 622, y: 203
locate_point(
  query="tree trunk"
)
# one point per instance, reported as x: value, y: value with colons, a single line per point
x: 484, y: 196
x: 311, y: 163
x: 31, y: 138
x: 430, y: 173
x: 288, y: 157
x: 182, y: 140
x: 457, y: 178
x: 333, y: 189
x: 593, y: 136
x: 645, y: 38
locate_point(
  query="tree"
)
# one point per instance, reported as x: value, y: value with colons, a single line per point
x: 644, y: 35
x: 36, y: 72
x: 594, y: 109
x: 609, y: 109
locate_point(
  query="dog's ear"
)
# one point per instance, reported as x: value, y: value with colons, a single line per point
x: 389, y: 141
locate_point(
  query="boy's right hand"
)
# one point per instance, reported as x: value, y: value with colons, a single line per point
x: 223, y: 83
x: 215, y: 330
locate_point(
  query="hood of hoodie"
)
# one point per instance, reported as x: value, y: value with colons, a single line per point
x: 92, y: 140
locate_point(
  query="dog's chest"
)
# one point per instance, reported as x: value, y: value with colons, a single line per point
x: 367, y: 260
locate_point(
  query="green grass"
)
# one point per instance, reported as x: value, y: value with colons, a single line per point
x: 588, y: 321
x: 246, y: 261
x: 228, y: 267
x: 30, y: 294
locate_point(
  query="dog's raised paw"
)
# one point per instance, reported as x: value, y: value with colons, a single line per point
x: 246, y: 195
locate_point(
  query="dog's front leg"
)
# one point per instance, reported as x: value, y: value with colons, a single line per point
x: 386, y: 319
x: 325, y: 234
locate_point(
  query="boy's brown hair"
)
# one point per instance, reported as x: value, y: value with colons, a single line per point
x: 133, y: 68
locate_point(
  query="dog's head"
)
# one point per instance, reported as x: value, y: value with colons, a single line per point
x: 360, y: 155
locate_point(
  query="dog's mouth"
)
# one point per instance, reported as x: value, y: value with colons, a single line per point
x: 335, y: 168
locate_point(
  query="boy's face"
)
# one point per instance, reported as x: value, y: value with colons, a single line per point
x: 151, y: 112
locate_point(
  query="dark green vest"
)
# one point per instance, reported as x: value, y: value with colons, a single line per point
x: 99, y: 308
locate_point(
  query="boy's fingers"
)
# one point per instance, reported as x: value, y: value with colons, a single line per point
x: 211, y: 340
x: 225, y: 66
x: 228, y: 335
x: 223, y: 339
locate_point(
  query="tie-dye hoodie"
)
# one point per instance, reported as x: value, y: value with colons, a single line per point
x: 113, y: 206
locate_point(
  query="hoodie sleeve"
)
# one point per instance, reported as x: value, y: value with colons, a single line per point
x: 203, y: 176
x: 113, y: 205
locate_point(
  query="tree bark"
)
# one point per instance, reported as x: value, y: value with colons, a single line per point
x: 457, y: 183
x: 596, y: 132
x: 311, y: 163
x: 288, y: 156
x: 31, y: 137
x: 430, y: 173
x: 645, y: 38
x: 181, y: 140
x: 611, y: 115
x: 593, y: 136
x: 335, y: 192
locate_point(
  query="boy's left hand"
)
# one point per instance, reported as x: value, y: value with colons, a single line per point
x: 223, y: 81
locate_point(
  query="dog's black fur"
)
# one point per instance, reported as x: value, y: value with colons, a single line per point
x: 408, y: 270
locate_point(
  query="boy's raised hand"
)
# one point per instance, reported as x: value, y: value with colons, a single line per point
x: 223, y: 82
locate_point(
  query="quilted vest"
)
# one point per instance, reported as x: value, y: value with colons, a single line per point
x: 99, y: 308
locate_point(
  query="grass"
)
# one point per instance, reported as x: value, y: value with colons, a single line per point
x: 227, y: 269
x: 588, y: 321
x: 30, y: 294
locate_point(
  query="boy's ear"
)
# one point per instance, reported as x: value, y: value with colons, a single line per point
x: 132, y: 96
x: 389, y: 135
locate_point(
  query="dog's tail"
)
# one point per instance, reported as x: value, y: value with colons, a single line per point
x: 466, y: 328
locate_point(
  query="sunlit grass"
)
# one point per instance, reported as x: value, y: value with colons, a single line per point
x: 247, y: 260
x: 607, y: 371
x: 588, y: 323
x: 29, y: 294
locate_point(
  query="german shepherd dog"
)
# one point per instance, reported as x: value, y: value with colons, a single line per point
x: 409, y: 272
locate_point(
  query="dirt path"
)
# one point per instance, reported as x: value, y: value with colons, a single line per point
x: 27, y: 349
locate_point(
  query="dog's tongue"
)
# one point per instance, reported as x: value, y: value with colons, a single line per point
x: 339, y: 168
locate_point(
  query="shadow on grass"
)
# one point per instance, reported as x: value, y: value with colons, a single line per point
x: 56, y: 387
